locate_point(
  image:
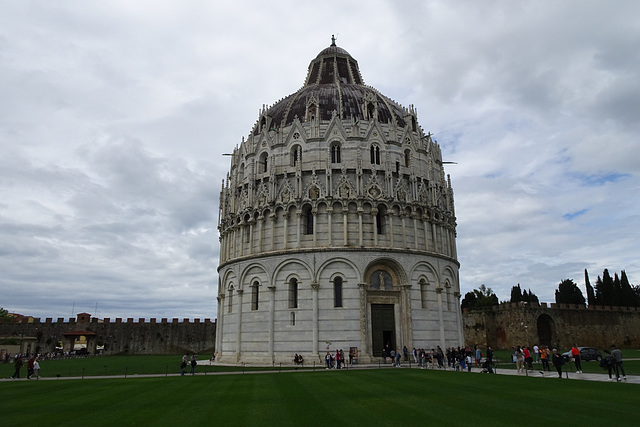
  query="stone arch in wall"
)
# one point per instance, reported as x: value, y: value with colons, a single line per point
x: 386, y: 305
x: 546, y: 330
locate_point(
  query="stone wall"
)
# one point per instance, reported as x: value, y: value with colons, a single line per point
x: 558, y: 325
x: 129, y: 336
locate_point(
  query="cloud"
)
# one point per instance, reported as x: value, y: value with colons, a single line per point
x: 114, y: 118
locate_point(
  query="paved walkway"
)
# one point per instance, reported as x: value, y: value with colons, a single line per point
x: 604, y: 377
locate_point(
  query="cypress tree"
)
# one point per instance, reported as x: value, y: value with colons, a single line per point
x: 591, y: 296
x: 516, y: 294
x: 629, y: 297
x: 617, y: 291
x: 604, y: 289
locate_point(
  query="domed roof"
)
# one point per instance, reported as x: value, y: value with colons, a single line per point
x: 334, y: 83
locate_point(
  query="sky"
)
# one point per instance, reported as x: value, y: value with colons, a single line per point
x: 114, y: 118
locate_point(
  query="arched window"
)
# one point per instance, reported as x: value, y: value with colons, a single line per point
x: 371, y: 111
x: 311, y: 112
x: 335, y: 153
x: 380, y: 221
x: 293, y: 293
x: 337, y: 291
x: 264, y: 157
x: 307, y: 217
x: 255, y: 288
x: 230, y: 302
x: 424, y: 295
x: 247, y: 228
x: 375, y: 155
x: 296, y: 155
x: 407, y: 158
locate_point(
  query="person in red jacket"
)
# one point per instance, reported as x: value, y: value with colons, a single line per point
x: 575, y: 353
x: 30, y: 363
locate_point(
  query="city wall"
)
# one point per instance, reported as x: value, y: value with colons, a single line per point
x: 557, y: 325
x: 118, y: 336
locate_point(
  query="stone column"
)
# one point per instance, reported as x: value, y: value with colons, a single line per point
x: 360, y: 233
x: 243, y: 228
x: 404, y: 231
x: 415, y: 231
x: 329, y: 223
x: 344, y: 226
x: 219, y: 327
x: 459, y: 319
x: 425, y: 223
x: 374, y: 213
x: 261, y: 220
x: 235, y: 240
x: 390, y: 216
x: 316, y: 321
x: 440, y: 316
x: 239, y: 326
x: 272, y: 217
x: 314, y: 212
x: 363, y: 351
x: 286, y: 229
x: 252, y: 223
x: 407, y: 320
x: 434, y: 235
x: 272, y: 318
x: 299, y: 227
x: 454, y: 250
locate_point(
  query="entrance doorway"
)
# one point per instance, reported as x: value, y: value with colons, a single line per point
x: 546, y: 328
x: 383, y: 329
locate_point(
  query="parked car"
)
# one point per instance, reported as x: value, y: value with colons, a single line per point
x: 586, y: 354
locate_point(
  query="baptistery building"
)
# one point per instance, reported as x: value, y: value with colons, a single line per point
x: 337, y: 228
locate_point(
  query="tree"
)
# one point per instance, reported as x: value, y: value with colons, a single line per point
x: 516, y: 293
x: 629, y: 297
x: 4, y: 315
x: 533, y: 298
x: 604, y: 289
x: 569, y: 293
x: 481, y: 297
x: 591, y: 296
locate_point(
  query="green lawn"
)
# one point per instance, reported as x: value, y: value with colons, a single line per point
x: 119, y: 365
x: 351, y: 397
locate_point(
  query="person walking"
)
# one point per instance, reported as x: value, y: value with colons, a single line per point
x: 575, y: 353
x: 183, y: 364
x: 519, y: 360
x: 36, y: 368
x: 544, y: 358
x: 193, y: 364
x: 617, y: 356
x: 17, y: 365
x: 608, y: 363
x: 557, y: 361
x: 30, y: 363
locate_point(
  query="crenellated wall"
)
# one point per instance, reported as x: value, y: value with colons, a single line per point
x: 128, y: 336
x: 558, y: 325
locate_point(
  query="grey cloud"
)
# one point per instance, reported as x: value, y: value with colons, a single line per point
x: 115, y: 117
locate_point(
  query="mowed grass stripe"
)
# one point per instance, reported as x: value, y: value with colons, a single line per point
x: 367, y: 397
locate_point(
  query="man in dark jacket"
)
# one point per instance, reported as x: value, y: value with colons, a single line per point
x: 17, y: 364
x: 557, y: 361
